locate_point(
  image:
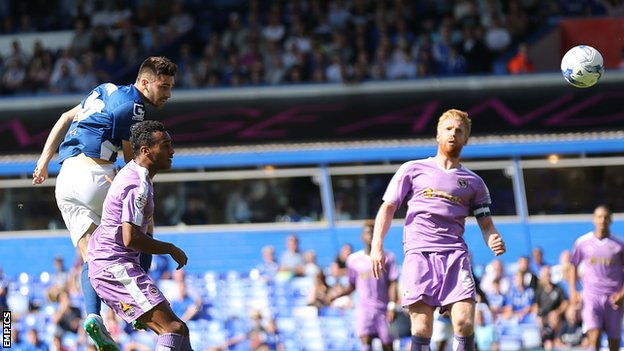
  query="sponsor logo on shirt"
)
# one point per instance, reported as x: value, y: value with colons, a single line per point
x: 431, y: 193
x: 138, y: 112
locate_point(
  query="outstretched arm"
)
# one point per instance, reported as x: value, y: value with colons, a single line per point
x: 491, y: 236
x: 52, y: 143
x: 382, y: 225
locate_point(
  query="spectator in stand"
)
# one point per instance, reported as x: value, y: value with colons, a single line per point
x: 550, y: 304
x: 486, y: 336
x: 338, y: 268
x: 235, y: 35
x: 291, y: 262
x: 318, y: 295
x: 67, y: 317
x: 496, y: 299
x: 311, y: 267
x: 549, y: 331
x: 274, y: 31
x: 13, y: 78
x: 272, y: 336
x: 82, y: 37
x: 184, y: 305
x: 58, y: 280
x: 38, y: 74
x: 17, y: 54
x: 516, y: 20
x: 33, y: 342
x: 180, y: 19
x: 57, y: 343
x: 521, y: 62
x: 529, y: 279
x: 65, y: 82
x: 495, y: 270
x: 571, y: 334
x: 110, y: 65
x: 537, y: 259
x: 519, y: 309
x: 85, y: 78
x: 561, y: 273
x: 269, y: 267
x: 67, y: 59
x: 497, y: 37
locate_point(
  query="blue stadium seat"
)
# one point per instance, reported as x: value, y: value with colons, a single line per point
x: 531, y: 336
x: 510, y: 343
x: 286, y: 325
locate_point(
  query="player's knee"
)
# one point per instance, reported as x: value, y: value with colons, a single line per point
x: 464, y: 326
x: 177, y: 327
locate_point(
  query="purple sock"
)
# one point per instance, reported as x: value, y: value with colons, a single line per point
x: 170, y: 342
x: 464, y: 343
x: 420, y: 344
x: 366, y: 347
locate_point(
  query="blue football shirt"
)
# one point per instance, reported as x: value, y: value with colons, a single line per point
x: 103, y: 121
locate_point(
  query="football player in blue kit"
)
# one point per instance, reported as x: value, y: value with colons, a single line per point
x: 88, y: 138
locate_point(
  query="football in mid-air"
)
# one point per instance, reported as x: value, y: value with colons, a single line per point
x: 582, y: 66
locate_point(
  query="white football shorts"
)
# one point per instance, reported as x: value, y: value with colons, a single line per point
x: 80, y: 192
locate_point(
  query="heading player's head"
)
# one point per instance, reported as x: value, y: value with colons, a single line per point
x: 602, y: 221
x: 155, y: 80
x: 152, y: 145
x: 453, y: 131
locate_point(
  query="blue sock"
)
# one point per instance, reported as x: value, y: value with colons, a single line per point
x: 146, y: 261
x: 170, y: 342
x: 92, y: 301
x: 420, y: 344
x: 464, y: 343
x: 145, y: 258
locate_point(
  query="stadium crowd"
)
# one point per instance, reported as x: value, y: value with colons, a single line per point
x: 523, y: 305
x: 258, y: 43
x: 253, y: 43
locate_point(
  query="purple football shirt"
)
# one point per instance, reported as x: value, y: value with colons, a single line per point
x: 439, y: 202
x: 602, y: 263
x: 372, y: 293
x: 129, y: 199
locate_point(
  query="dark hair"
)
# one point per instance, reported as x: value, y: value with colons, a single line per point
x: 143, y: 134
x: 157, y: 65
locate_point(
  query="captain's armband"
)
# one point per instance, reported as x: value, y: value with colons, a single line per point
x: 481, y: 211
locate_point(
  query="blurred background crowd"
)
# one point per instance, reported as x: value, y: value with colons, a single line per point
x: 250, y: 42
x: 283, y: 304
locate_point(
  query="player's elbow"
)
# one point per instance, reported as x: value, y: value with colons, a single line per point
x: 130, y: 240
x: 388, y: 207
